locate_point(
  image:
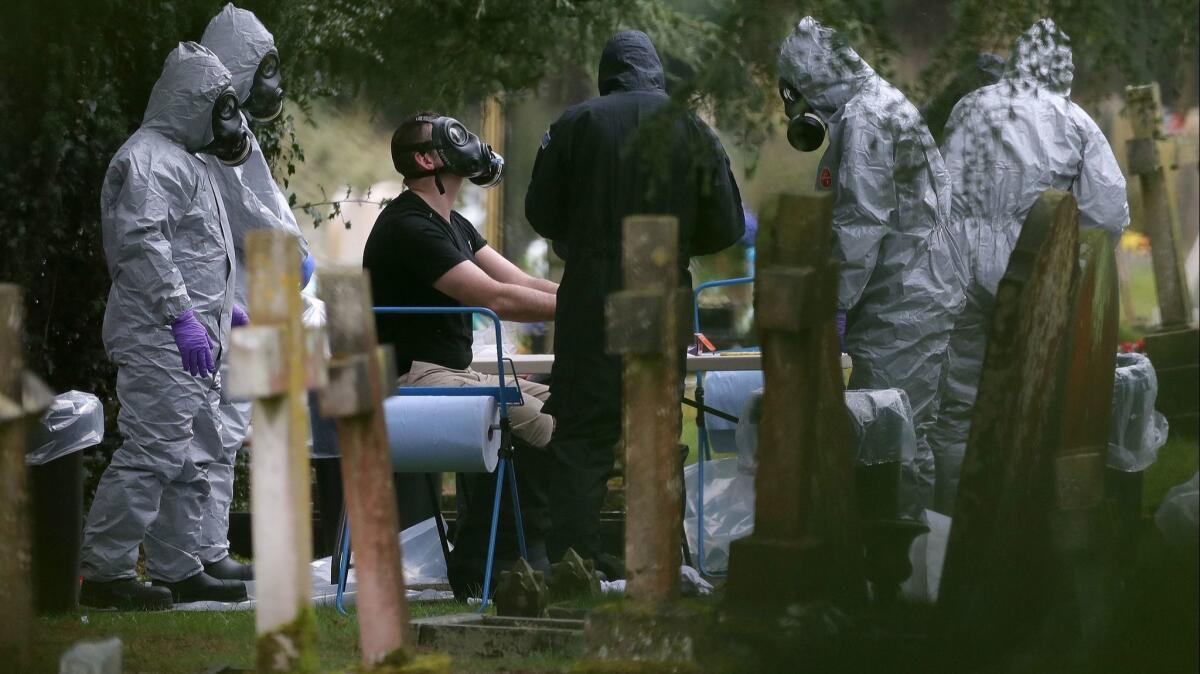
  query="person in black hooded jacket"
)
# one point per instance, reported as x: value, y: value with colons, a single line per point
x: 628, y: 151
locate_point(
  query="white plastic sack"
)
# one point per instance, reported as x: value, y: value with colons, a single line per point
x: 421, y: 552
x: 728, y: 392
x: 728, y: 509
x: 1177, y: 516
x: 1138, y: 431
x: 74, y: 421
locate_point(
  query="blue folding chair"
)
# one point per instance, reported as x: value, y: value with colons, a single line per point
x: 505, y: 396
x: 702, y: 439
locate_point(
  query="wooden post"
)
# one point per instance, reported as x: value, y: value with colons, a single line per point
x: 354, y: 398
x: 805, y: 544
x: 643, y: 325
x: 1159, y: 218
x: 996, y: 581
x: 268, y: 364
x: 16, y: 617
x: 493, y: 199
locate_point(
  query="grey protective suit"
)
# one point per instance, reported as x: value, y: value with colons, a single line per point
x: 253, y: 201
x: 168, y: 248
x: 901, y: 274
x: 1008, y: 143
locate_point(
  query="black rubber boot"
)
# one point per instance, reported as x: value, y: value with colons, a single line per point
x: 227, y: 568
x: 203, y: 587
x: 129, y: 594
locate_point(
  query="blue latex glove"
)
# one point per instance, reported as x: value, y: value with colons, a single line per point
x: 194, y: 345
x: 307, y: 266
x: 240, y: 317
x: 840, y: 321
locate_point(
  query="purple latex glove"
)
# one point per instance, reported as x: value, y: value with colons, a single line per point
x: 840, y: 321
x: 307, y: 266
x: 194, y: 345
x: 240, y: 317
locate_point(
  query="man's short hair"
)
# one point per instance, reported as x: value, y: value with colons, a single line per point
x: 414, y: 130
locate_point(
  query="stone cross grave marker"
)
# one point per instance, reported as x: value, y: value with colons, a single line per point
x: 806, y: 543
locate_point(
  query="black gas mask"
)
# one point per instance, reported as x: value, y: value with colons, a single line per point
x: 462, y: 153
x: 266, y: 91
x: 805, y: 130
x: 231, y: 138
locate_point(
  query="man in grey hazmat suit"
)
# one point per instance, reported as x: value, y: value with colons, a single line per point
x: 901, y: 277
x: 169, y: 254
x: 1007, y: 143
x: 252, y: 200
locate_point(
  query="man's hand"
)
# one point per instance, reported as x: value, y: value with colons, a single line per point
x: 499, y: 268
x: 469, y: 285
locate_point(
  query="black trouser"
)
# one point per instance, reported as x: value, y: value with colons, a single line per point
x: 581, y: 465
x: 476, y: 494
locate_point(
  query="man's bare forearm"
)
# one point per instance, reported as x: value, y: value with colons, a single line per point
x: 544, y: 285
x: 517, y: 303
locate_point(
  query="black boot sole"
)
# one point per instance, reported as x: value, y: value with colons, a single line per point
x: 188, y: 596
x: 105, y: 601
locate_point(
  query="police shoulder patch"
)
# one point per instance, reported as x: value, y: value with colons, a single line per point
x: 545, y: 139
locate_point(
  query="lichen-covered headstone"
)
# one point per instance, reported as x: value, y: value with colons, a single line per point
x: 521, y: 592
x: 573, y: 577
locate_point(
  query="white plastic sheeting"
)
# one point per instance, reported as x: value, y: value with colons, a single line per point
x: 74, y: 421
x: 1177, y: 516
x: 1138, y: 431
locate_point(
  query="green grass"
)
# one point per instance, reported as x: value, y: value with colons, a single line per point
x: 1177, y: 462
x: 181, y: 641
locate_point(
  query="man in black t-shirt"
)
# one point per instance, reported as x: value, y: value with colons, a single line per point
x: 423, y: 253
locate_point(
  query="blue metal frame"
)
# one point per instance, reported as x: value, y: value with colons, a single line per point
x: 505, y: 396
x: 701, y: 427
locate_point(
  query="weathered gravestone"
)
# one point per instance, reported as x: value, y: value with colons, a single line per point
x: 359, y: 378
x: 806, y: 545
x: 22, y: 399
x: 1028, y: 542
x: 1175, y: 348
x: 646, y: 324
x: 268, y: 364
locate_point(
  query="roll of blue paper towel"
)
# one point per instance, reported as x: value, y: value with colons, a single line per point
x: 430, y: 434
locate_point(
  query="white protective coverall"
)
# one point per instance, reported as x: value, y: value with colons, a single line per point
x: 168, y: 248
x: 1008, y: 143
x: 901, y: 275
x: 253, y: 201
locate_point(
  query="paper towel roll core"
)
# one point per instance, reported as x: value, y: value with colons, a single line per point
x: 429, y: 434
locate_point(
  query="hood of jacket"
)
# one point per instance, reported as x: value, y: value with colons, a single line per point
x: 1042, y: 56
x: 629, y: 62
x: 182, y: 99
x: 818, y: 63
x: 241, y: 41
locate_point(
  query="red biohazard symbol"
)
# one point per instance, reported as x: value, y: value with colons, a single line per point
x: 826, y: 178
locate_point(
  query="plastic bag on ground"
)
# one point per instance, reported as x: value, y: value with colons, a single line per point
x: 74, y: 421
x: 421, y: 551
x: 882, y: 432
x: 1176, y: 518
x: 1138, y: 431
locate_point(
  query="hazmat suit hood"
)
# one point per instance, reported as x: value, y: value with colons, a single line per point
x: 182, y: 99
x: 1042, y: 56
x: 241, y: 41
x: 819, y: 64
x: 629, y: 62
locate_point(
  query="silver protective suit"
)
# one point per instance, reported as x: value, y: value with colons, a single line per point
x: 168, y: 248
x: 901, y: 274
x: 253, y: 201
x: 1007, y: 143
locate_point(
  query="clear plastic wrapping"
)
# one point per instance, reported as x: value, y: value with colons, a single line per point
x: 74, y: 421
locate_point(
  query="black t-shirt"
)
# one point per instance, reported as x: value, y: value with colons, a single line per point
x: 410, y: 248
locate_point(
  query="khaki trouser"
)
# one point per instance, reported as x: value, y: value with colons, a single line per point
x: 528, y: 421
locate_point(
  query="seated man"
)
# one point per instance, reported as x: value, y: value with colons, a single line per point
x: 423, y: 253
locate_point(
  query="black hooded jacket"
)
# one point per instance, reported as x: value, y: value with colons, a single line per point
x: 593, y: 169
